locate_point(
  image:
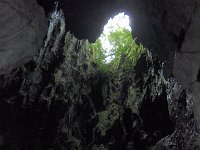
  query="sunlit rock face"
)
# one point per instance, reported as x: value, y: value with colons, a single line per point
x: 23, y: 26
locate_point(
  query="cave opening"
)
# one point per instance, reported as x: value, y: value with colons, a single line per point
x: 120, y: 21
x: 116, y: 48
x: 93, y: 99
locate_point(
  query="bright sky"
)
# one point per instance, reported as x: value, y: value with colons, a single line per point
x: 119, y: 21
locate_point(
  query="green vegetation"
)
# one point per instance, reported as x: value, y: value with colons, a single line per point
x: 98, y: 53
x: 125, y: 51
x: 107, y: 118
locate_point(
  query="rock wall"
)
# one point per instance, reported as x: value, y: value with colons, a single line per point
x: 160, y: 25
x: 22, y: 27
x: 62, y: 100
x: 163, y: 26
x: 187, y: 60
x: 169, y: 28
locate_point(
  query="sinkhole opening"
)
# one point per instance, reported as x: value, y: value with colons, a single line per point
x: 116, y: 24
x: 116, y: 46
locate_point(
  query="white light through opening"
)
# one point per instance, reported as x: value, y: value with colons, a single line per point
x: 119, y: 21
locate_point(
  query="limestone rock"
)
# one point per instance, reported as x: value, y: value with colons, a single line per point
x: 186, y: 67
x: 23, y: 26
x: 195, y: 88
x: 160, y: 25
x: 187, y: 61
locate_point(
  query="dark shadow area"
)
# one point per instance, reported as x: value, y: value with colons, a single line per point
x: 85, y: 19
x: 155, y: 116
x: 198, y: 76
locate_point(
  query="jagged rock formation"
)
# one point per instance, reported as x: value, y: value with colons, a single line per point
x: 160, y: 25
x: 23, y: 26
x: 61, y: 100
x: 187, y: 63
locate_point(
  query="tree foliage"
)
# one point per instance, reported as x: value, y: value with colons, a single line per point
x: 125, y: 51
x: 98, y: 53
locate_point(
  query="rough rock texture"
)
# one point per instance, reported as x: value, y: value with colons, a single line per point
x: 187, y: 60
x: 161, y: 25
x: 61, y: 100
x: 195, y: 88
x: 186, y: 135
x: 23, y: 26
x: 186, y: 68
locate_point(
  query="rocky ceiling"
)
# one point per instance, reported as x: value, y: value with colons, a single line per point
x: 170, y: 28
x: 161, y: 25
x: 164, y: 26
